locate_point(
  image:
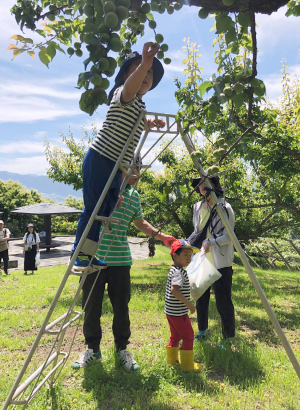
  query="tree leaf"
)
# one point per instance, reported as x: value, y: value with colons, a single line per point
x: 41, y: 32
x: 17, y: 37
x: 45, y: 59
x: 27, y: 40
x: 12, y: 47
x: 31, y: 53
x: 51, y: 51
x: 17, y: 52
x: 58, y: 47
x: 204, y: 86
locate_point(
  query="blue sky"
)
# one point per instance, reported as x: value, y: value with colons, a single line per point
x: 36, y: 101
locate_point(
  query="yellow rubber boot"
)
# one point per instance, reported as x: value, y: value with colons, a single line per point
x: 187, y: 363
x: 172, y: 355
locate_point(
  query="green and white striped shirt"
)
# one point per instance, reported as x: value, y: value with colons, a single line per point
x: 119, y: 253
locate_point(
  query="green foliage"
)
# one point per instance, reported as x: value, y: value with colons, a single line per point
x: 284, y: 247
x: 67, y: 224
x: 65, y: 166
x: 103, y: 27
x: 293, y: 8
x: 13, y: 195
x: 99, y: 27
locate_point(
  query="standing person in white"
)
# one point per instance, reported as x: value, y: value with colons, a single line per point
x: 219, y: 251
x: 31, y: 246
x: 4, y: 237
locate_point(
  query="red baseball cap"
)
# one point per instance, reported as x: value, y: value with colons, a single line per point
x: 182, y: 243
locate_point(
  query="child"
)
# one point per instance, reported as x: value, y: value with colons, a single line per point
x: 139, y: 73
x: 177, y: 306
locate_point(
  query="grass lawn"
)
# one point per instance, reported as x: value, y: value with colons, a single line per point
x: 253, y: 373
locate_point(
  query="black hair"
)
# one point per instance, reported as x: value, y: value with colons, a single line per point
x: 178, y: 252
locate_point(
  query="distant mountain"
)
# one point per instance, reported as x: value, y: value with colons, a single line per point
x: 57, y: 191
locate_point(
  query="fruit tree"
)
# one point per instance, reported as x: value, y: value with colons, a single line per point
x: 106, y: 26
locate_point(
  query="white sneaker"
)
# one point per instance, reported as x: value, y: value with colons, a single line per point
x: 129, y: 364
x: 86, y: 359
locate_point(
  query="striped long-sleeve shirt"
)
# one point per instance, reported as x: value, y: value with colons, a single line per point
x: 119, y: 252
x: 173, y: 307
x: 118, y: 124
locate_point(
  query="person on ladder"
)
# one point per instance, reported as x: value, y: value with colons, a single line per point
x: 219, y: 251
x: 117, y: 278
x: 139, y: 73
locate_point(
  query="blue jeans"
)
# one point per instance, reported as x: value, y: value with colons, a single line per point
x: 96, y: 172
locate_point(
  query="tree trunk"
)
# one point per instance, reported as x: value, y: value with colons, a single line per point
x: 179, y: 222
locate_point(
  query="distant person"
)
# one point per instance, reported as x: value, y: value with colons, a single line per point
x: 4, y: 237
x: 31, y: 247
x: 140, y: 73
x: 177, y: 307
x: 117, y: 278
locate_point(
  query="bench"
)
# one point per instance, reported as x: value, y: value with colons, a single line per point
x: 11, y: 264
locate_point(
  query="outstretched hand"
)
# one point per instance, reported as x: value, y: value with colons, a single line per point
x: 148, y: 54
x: 168, y: 239
x: 156, y: 122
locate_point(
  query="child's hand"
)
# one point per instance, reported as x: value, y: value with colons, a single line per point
x: 148, y: 55
x: 120, y: 202
x: 192, y: 308
x: 158, y: 123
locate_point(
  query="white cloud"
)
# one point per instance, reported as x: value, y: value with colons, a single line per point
x: 276, y: 29
x: 33, y: 88
x: 28, y: 109
x: 273, y: 82
x: 24, y: 165
x: 24, y: 147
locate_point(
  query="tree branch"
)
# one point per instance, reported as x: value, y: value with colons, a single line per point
x: 254, y: 61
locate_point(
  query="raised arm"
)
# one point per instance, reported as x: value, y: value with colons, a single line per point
x: 134, y: 81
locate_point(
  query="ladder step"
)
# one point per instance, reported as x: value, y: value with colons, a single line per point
x: 56, y: 321
x: 133, y: 166
x: 81, y: 271
x: 107, y: 219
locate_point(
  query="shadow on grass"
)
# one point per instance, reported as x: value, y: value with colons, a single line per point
x: 251, y: 311
x: 118, y: 389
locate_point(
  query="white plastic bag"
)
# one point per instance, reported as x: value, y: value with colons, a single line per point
x: 37, y: 259
x: 202, y: 274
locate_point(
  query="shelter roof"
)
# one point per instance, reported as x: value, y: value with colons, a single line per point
x: 46, y: 208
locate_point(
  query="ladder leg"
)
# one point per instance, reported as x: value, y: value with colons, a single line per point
x: 246, y: 263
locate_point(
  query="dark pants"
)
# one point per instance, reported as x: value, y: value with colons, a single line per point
x: 4, y: 256
x: 222, y: 289
x: 96, y: 172
x: 118, y: 287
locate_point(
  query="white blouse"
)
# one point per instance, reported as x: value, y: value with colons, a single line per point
x: 30, y: 239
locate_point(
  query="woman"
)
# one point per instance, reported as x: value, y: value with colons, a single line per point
x: 219, y: 250
x: 31, y: 247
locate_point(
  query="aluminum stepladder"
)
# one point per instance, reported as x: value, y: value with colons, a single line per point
x: 71, y: 316
x: 46, y: 327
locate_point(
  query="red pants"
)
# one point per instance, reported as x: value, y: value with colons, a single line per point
x: 181, y: 329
